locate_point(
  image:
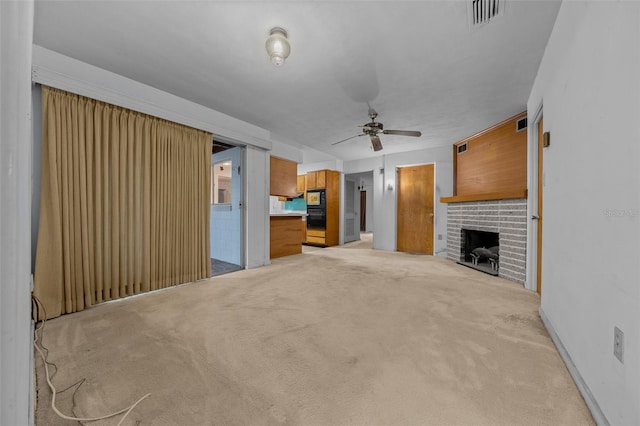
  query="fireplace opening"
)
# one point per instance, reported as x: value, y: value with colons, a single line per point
x: 480, y: 250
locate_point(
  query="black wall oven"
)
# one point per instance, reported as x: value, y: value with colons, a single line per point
x: 316, y: 209
x: 316, y: 218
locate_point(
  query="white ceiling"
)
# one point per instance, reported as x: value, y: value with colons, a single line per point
x: 416, y: 63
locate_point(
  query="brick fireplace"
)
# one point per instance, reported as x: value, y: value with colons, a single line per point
x: 507, y: 218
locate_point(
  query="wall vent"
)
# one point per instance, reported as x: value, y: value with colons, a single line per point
x: 481, y: 12
x: 521, y: 124
x: 462, y: 148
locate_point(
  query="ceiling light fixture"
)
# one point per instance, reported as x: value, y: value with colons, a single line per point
x: 278, y: 46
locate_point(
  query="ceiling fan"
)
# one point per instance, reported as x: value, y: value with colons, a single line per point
x: 374, y: 128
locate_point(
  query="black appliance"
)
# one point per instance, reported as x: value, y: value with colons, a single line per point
x: 316, y: 209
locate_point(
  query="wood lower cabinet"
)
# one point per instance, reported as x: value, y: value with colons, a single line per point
x: 285, y: 238
x: 316, y: 236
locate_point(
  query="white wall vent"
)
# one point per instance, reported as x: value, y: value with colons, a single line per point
x: 521, y: 124
x: 481, y: 12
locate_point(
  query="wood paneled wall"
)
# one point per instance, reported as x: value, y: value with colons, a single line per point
x: 495, y: 161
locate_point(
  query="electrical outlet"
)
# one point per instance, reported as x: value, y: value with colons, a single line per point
x: 618, y: 344
x: 439, y: 236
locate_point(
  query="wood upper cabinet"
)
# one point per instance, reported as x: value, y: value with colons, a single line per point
x: 283, y: 180
x: 301, y: 183
x: 310, y: 180
x: 321, y: 179
x: 317, y: 179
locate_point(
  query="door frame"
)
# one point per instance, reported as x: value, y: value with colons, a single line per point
x: 435, y: 202
x: 243, y: 198
x: 531, y: 282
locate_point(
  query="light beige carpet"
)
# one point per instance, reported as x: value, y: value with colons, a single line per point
x: 337, y: 336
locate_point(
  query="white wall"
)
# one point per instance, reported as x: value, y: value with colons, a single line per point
x: 588, y: 85
x: 60, y: 71
x: 16, y: 353
x: 329, y: 165
x: 257, y: 207
x: 384, y: 200
x: 287, y: 152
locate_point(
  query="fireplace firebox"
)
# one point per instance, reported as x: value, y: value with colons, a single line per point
x: 480, y: 250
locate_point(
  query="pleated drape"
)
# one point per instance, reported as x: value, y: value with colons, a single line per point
x: 124, y: 203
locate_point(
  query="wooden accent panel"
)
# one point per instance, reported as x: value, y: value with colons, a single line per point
x: 485, y: 197
x: 283, y: 177
x: 495, y: 161
x: 415, y: 209
x: 285, y: 238
x: 301, y: 184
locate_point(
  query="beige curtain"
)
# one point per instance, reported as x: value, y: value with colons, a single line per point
x: 124, y: 203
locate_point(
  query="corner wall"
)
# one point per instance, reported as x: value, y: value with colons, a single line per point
x: 588, y: 87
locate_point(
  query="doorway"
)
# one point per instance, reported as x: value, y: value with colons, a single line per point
x: 351, y: 210
x: 362, y: 199
x: 226, y: 217
x: 415, y: 209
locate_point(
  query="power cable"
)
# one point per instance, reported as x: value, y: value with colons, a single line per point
x: 126, y: 410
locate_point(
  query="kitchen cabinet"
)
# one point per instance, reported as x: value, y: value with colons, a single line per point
x: 330, y: 180
x: 285, y: 236
x: 317, y: 179
x: 301, y: 183
x: 283, y: 177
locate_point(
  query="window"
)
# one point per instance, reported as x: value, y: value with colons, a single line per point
x: 221, y: 183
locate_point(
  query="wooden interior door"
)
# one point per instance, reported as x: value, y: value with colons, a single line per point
x: 415, y: 209
x: 539, y: 210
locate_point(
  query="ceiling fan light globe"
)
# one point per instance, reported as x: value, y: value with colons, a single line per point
x: 277, y: 60
x: 278, y: 46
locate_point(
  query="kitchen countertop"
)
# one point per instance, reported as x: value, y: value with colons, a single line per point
x: 289, y: 214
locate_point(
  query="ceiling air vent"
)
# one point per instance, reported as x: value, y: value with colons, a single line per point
x: 482, y: 11
x: 521, y: 124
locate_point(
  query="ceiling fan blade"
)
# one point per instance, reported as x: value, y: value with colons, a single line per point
x: 402, y: 132
x: 344, y: 140
x: 375, y: 143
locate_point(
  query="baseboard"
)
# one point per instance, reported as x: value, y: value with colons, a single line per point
x: 591, y: 402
